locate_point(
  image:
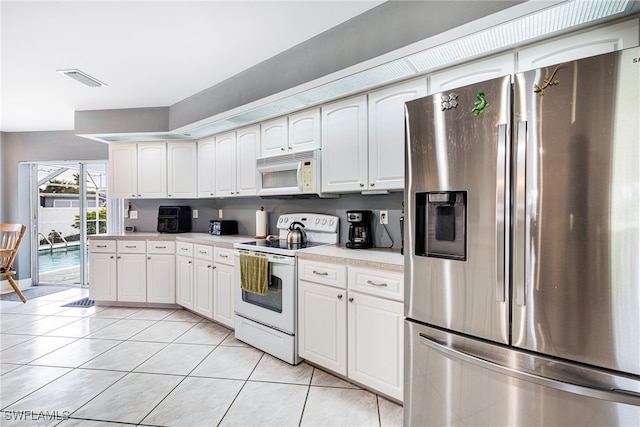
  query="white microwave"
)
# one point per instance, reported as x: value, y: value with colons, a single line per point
x: 290, y: 174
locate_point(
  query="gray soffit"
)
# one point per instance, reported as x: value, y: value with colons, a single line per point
x: 392, y: 42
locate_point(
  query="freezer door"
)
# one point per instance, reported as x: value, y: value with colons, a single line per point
x: 451, y: 380
x: 576, y: 247
x: 456, y: 198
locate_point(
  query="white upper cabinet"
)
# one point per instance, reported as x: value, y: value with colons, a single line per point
x: 304, y: 130
x: 274, y: 137
x: 152, y: 170
x: 123, y: 170
x: 182, y: 170
x: 344, y: 145
x: 386, y: 133
x: 225, y: 164
x: 471, y: 73
x: 590, y: 43
x: 248, y: 147
x: 206, y: 167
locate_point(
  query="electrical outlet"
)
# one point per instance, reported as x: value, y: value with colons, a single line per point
x: 195, y: 213
x: 133, y: 214
x: 384, y: 217
x: 220, y: 213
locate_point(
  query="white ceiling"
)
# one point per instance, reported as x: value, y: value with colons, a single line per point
x: 149, y: 53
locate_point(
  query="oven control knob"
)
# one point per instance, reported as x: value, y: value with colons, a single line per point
x: 324, y: 222
x: 331, y: 222
x: 317, y: 221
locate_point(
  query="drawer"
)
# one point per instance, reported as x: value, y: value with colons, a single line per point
x: 223, y: 256
x: 131, y: 247
x: 322, y: 272
x: 185, y: 249
x: 154, y: 247
x: 377, y: 282
x: 97, y: 246
x: 203, y: 252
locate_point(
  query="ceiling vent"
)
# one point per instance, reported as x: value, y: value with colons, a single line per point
x: 82, y: 77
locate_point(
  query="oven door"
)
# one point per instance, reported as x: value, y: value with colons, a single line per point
x: 277, y: 308
x: 280, y: 178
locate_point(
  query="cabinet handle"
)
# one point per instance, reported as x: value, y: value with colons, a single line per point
x: 119, y: 257
x: 130, y: 246
x: 148, y: 257
x: 339, y: 296
x: 224, y: 256
x: 139, y: 195
x: 350, y: 299
x: 133, y: 195
x: 190, y: 262
x: 161, y: 247
x: 361, y: 184
x: 282, y: 148
x: 101, y: 246
x: 324, y: 273
x: 372, y: 184
x: 370, y: 282
x: 202, y: 252
x: 111, y: 257
x: 184, y: 249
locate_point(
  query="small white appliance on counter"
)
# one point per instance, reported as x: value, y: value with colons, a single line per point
x: 269, y: 322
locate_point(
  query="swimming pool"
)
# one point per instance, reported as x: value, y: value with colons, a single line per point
x: 58, y: 259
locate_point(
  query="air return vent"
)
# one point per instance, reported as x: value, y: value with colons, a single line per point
x: 82, y: 77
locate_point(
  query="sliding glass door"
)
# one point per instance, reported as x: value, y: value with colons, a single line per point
x: 69, y: 204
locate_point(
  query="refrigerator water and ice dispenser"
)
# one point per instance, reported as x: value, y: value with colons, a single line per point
x: 441, y: 224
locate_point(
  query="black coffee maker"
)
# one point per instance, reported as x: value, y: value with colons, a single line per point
x: 360, y: 234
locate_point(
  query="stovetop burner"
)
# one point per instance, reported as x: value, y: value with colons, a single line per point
x: 282, y: 244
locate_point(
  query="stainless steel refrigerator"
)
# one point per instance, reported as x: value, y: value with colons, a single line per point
x: 522, y: 257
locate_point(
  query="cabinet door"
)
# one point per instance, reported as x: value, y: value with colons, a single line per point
x: 470, y: 73
x: 274, y: 138
x: 590, y: 43
x: 344, y: 145
x: 225, y: 168
x: 322, y: 325
x: 376, y: 343
x: 102, y: 276
x: 161, y: 278
x: 304, y: 130
x: 123, y: 170
x: 223, y: 294
x: 132, y: 278
x: 386, y: 133
x: 152, y: 170
x: 184, y: 281
x: 203, y: 287
x: 248, y: 142
x: 206, y: 169
x: 182, y: 170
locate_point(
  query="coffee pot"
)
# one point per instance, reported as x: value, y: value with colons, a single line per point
x: 360, y: 232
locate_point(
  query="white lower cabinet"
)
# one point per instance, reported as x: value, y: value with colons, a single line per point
x: 102, y: 271
x: 322, y: 325
x: 184, y: 275
x: 161, y: 272
x: 203, y: 280
x: 223, y: 281
x: 132, y: 277
x: 375, y: 331
x: 355, y: 333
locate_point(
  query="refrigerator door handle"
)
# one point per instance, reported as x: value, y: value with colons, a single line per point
x: 500, y: 212
x: 520, y: 244
x: 584, y: 389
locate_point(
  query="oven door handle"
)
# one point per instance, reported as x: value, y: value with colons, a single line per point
x: 272, y: 259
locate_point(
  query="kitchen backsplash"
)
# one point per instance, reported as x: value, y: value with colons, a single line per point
x: 244, y: 209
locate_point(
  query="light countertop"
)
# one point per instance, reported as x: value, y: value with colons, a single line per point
x: 383, y: 258
x: 199, y: 238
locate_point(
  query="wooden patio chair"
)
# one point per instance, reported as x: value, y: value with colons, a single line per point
x: 10, y: 237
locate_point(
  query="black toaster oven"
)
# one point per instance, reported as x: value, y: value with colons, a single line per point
x: 174, y: 219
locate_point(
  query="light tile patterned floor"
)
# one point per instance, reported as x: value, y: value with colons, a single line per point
x: 108, y: 366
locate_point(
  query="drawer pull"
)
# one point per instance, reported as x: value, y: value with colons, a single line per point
x: 339, y: 296
x: 161, y: 247
x: 202, y: 252
x: 130, y: 246
x: 101, y: 246
x: 371, y: 282
x: 184, y: 249
x: 224, y: 256
x: 324, y: 273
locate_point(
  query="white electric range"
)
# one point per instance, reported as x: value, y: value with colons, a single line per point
x: 269, y: 322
